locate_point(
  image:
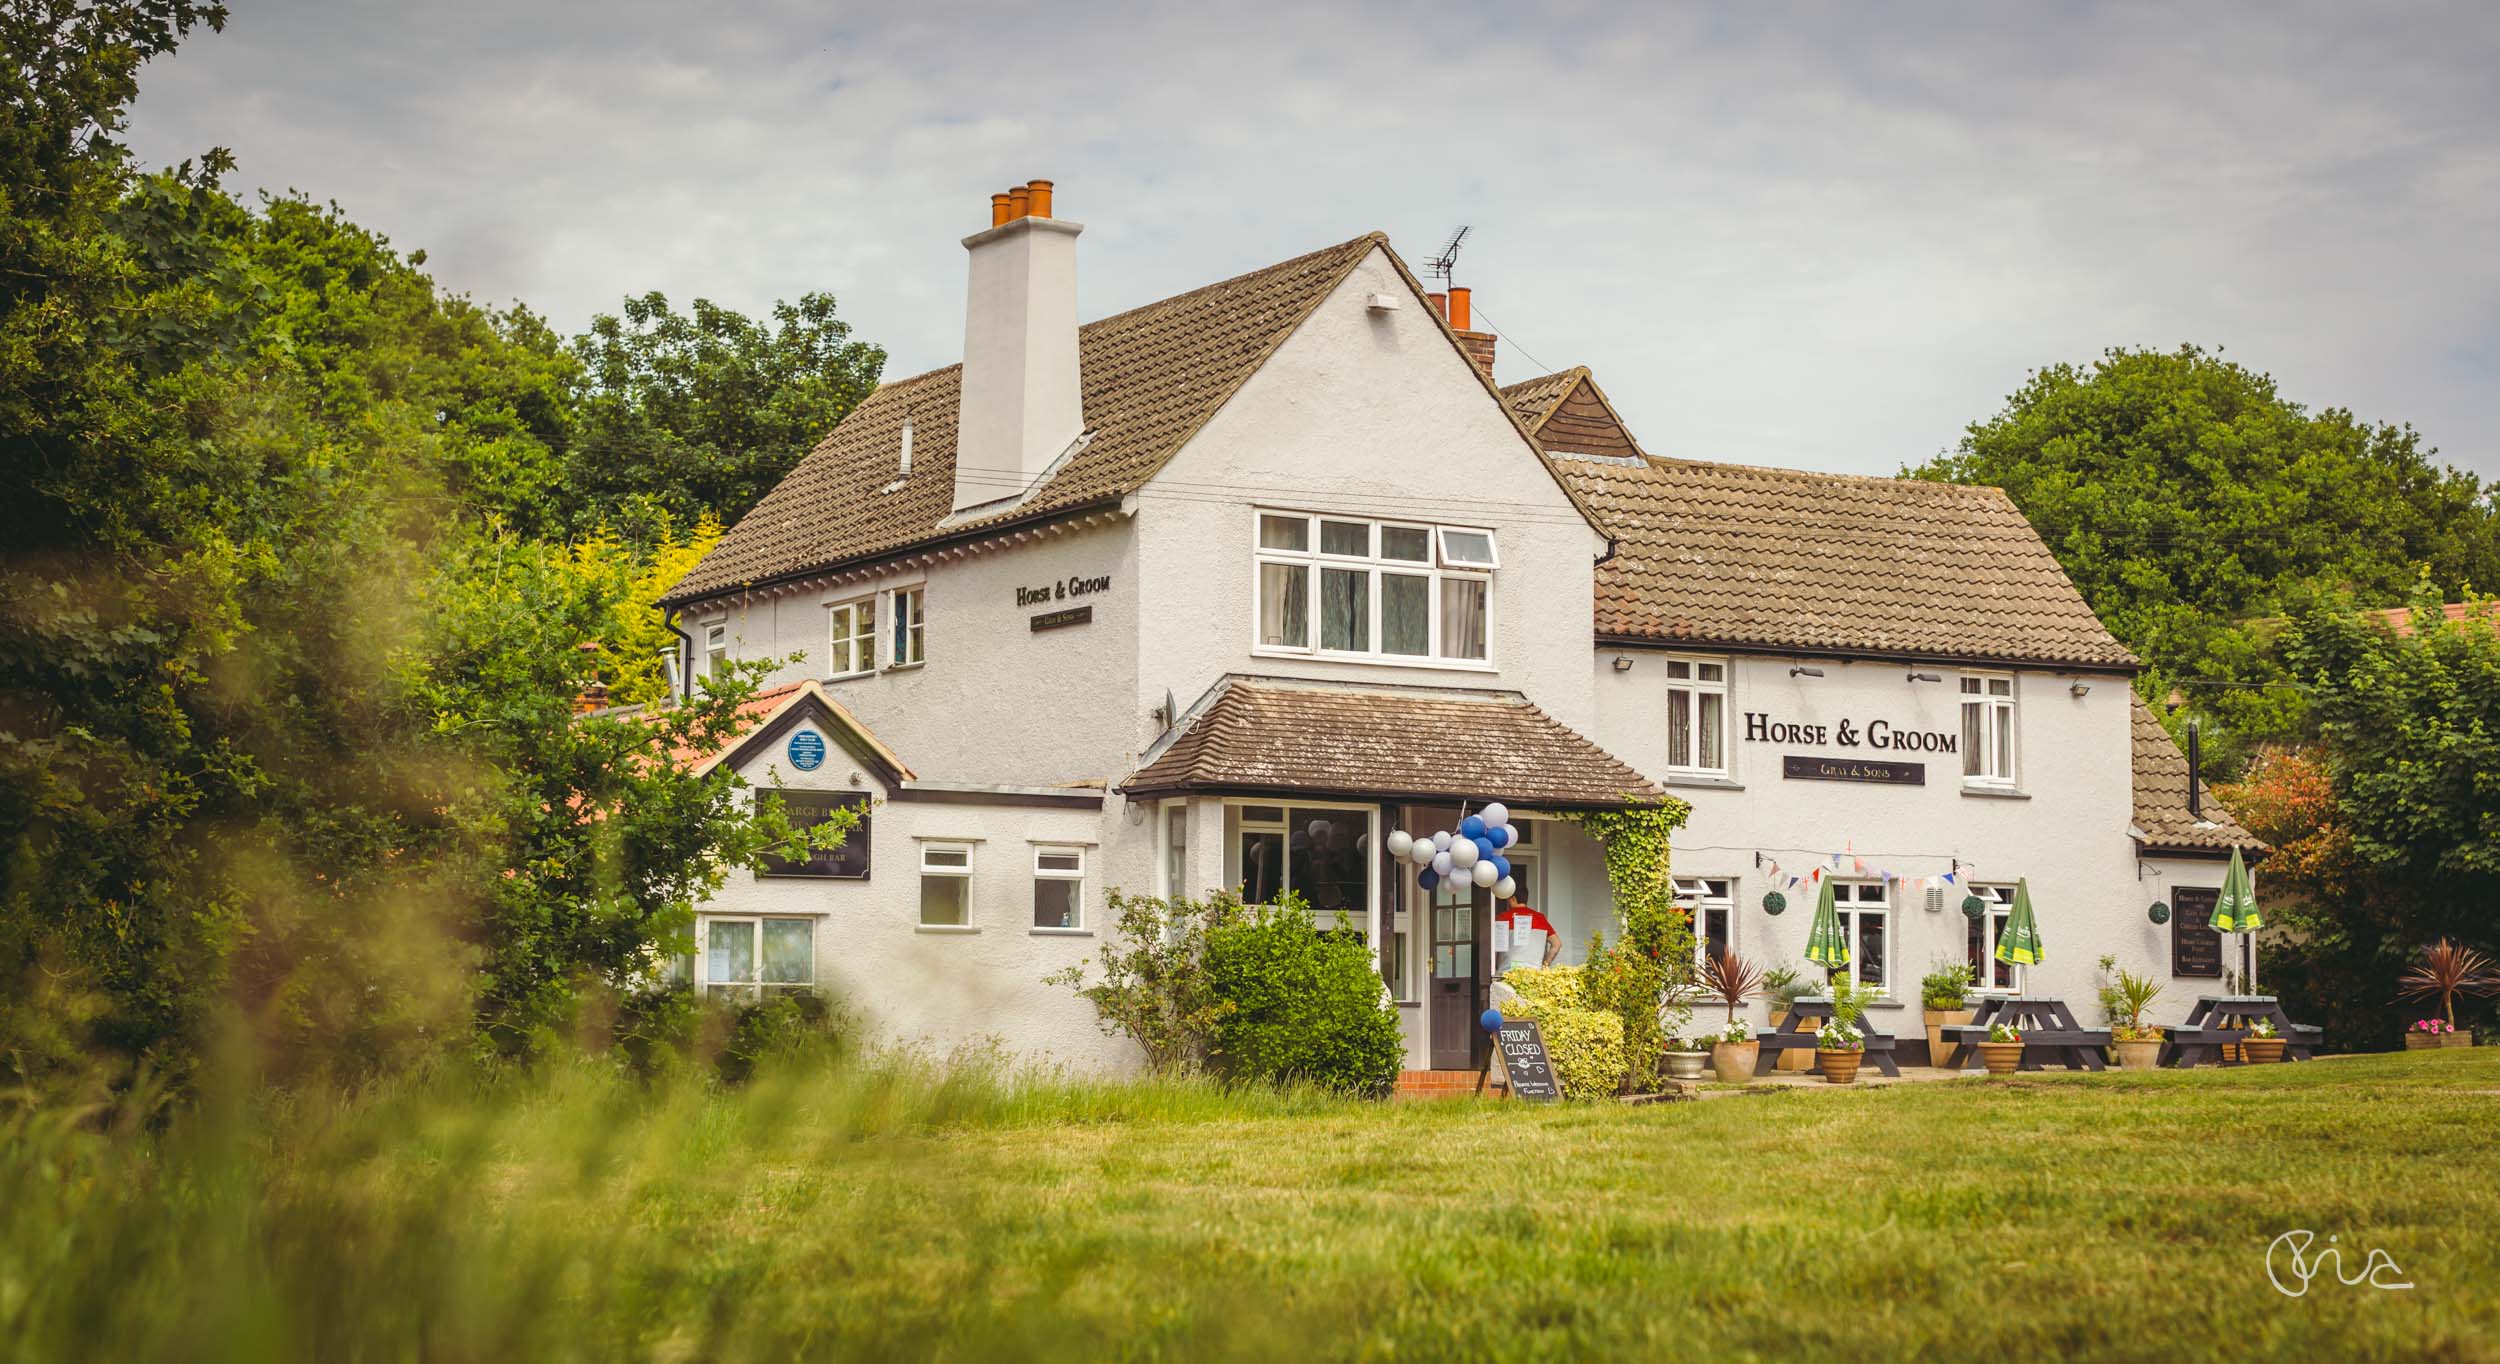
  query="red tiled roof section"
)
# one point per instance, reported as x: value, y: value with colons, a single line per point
x: 1728, y: 554
x: 1259, y: 735
x: 2161, y: 796
x: 1152, y: 377
x: 753, y: 711
x: 2400, y: 619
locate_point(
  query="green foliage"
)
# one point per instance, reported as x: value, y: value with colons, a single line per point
x: 2004, y: 1032
x: 1784, y: 986
x: 2124, y: 997
x: 1586, y: 1047
x: 1645, y: 977
x: 1155, y: 988
x: 1945, y: 987
x: 1544, y: 987
x: 1841, y: 1032
x: 685, y: 417
x: 1299, y: 1005
x: 1730, y: 980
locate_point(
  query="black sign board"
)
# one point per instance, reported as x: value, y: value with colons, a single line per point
x: 1853, y: 769
x: 1052, y: 620
x: 1524, y: 1060
x: 2195, y: 948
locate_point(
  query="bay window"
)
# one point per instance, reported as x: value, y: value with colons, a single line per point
x: 1697, y: 716
x: 1988, y: 729
x: 1380, y: 590
x: 1319, y: 853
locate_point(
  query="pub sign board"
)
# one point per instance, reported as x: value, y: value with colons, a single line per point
x: 2195, y: 947
x: 1803, y: 767
x: 1531, y: 1071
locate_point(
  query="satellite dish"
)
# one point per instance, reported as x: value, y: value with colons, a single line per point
x: 1168, y: 715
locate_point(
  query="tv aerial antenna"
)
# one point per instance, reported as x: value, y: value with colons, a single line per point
x: 1440, y: 266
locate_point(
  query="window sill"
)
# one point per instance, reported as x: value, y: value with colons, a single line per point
x: 850, y: 677
x: 1061, y: 932
x: 944, y: 928
x: 1458, y: 665
x: 1701, y: 782
x: 904, y: 667
x: 1995, y: 793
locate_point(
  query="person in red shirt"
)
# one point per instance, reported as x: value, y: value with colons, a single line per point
x: 1525, y: 918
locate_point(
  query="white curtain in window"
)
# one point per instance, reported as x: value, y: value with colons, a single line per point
x: 1462, y: 618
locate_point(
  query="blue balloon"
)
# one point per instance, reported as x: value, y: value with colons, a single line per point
x: 1491, y: 1019
x: 1471, y: 827
x: 1427, y: 878
x: 1501, y: 864
x: 1509, y: 833
x: 1485, y: 847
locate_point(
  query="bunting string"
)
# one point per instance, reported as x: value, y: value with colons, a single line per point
x: 1806, y: 867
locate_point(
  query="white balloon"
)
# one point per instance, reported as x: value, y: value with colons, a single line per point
x: 1441, y: 863
x: 1506, y: 887
x: 1496, y: 813
x: 1421, y: 853
x: 1463, y: 854
x: 1399, y: 841
x: 1441, y: 841
x: 1485, y: 873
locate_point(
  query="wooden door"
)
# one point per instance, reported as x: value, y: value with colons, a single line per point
x: 1456, y: 972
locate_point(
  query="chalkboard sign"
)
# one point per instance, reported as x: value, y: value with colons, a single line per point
x: 1531, y: 1071
x: 2195, y: 948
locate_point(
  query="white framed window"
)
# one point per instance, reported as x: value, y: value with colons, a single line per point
x: 910, y: 632
x: 1320, y: 852
x: 1381, y: 591
x: 946, y: 885
x: 1710, y: 901
x: 1059, y: 888
x: 1175, y: 849
x: 1697, y: 716
x: 853, y: 628
x: 747, y: 957
x: 1988, y: 729
x: 716, y: 652
x: 1986, y: 932
x: 1866, y: 919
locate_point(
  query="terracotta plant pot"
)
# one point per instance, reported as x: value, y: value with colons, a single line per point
x: 2143, y: 1055
x: 1794, y: 1058
x: 1686, y: 1065
x: 1734, y: 1061
x: 1840, y: 1067
x: 2263, y: 1051
x: 2002, y: 1057
x: 1937, y: 1021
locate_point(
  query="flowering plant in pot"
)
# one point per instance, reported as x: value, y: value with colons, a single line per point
x: 2262, y: 1045
x: 1839, y: 1047
x: 2003, y: 1051
x: 2124, y: 1000
x: 1731, y: 980
x: 2447, y: 971
x: 2429, y: 1033
x: 1686, y: 1056
x: 1944, y: 1002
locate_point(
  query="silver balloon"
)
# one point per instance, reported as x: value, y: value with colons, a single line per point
x: 1485, y: 873
x: 1506, y: 887
x: 1399, y: 841
x: 1464, y: 853
x: 1496, y: 813
x: 1441, y: 841
x: 1441, y: 864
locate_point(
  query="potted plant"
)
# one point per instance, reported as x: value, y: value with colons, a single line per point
x: 1782, y: 987
x: 1839, y: 1048
x: 2138, y: 1045
x: 2447, y: 971
x: 1944, y: 1000
x: 2262, y: 1046
x: 2430, y: 1034
x: 1731, y: 980
x: 2003, y: 1051
x: 1686, y: 1057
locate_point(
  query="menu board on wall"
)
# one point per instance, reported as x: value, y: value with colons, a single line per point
x: 2195, y: 948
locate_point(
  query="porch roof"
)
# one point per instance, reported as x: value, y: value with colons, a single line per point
x: 1278, y: 736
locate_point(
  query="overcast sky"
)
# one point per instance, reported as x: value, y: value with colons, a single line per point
x: 1820, y: 236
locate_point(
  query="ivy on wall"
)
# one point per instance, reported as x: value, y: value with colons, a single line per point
x: 1645, y: 977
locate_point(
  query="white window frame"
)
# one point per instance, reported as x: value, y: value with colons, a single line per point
x: 908, y: 630
x: 1999, y: 745
x: 1436, y: 570
x: 861, y: 615
x: 1041, y: 873
x: 1172, y: 847
x: 1241, y: 823
x: 1851, y: 910
x: 947, y: 846
x: 753, y: 987
x: 1699, y: 896
x: 1694, y: 687
x: 715, y: 651
x: 1992, y: 930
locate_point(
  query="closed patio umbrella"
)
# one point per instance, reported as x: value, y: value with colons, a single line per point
x: 1826, y: 945
x: 2235, y: 908
x: 2019, y: 944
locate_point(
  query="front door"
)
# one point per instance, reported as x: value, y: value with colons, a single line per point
x: 1455, y: 998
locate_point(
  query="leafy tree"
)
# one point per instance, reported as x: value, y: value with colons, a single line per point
x: 682, y: 417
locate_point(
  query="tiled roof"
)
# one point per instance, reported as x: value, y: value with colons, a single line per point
x: 1421, y: 743
x: 1152, y: 377
x: 760, y: 713
x: 2400, y: 619
x: 1535, y: 399
x: 1729, y: 554
x: 2161, y: 797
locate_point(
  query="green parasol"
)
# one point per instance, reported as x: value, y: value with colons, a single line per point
x: 2019, y: 944
x: 1827, y: 945
x: 2235, y: 909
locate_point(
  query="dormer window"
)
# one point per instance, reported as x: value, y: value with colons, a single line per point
x: 1377, y: 591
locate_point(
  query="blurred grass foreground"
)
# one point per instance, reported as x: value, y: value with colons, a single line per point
x: 902, y: 1206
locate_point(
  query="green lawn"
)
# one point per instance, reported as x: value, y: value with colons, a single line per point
x: 895, y: 1213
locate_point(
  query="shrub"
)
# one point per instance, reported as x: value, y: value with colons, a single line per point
x: 1946, y: 987
x: 1297, y: 1004
x: 1154, y: 985
x: 1545, y: 987
x: 1586, y: 1046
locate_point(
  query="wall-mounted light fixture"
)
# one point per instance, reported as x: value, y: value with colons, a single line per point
x: 1926, y: 677
x: 2080, y: 690
x: 1802, y: 670
x: 1622, y: 664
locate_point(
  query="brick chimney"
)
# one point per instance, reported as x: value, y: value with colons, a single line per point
x: 1478, y: 345
x: 1020, y: 406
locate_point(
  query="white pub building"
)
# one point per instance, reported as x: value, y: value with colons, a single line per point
x: 1219, y: 591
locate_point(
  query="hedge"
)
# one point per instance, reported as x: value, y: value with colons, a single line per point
x: 1586, y: 1044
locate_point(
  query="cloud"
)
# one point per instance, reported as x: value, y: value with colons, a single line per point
x: 1809, y: 236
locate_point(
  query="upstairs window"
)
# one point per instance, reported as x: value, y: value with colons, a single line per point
x: 1988, y: 729
x: 1697, y: 716
x: 910, y: 628
x: 716, y: 652
x: 854, y: 629
x: 1385, y: 591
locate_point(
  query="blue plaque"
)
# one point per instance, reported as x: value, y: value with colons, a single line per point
x: 807, y: 750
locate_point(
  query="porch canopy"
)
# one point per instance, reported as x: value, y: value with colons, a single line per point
x: 1423, y: 745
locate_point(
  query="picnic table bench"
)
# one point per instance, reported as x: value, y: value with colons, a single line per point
x: 2219, y: 1021
x: 2049, y: 1029
x: 1793, y: 1033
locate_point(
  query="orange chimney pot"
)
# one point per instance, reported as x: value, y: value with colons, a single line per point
x: 998, y: 210
x: 1019, y: 202
x: 1039, y: 195
x: 1462, y: 313
x: 1440, y: 304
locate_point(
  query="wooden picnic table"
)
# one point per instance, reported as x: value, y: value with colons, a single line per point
x: 2049, y: 1029
x: 1793, y: 1032
x: 2218, y: 1021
